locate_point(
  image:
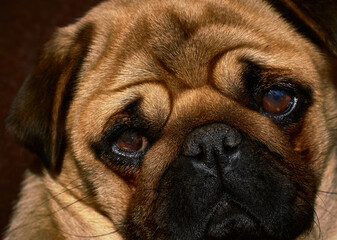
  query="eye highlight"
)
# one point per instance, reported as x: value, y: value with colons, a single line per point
x: 277, y: 102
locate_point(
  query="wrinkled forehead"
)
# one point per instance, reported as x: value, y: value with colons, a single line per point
x: 169, y: 55
x: 202, y: 43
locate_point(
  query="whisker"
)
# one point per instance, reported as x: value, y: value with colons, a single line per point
x: 53, y: 197
x: 70, y: 204
x: 44, y: 202
x: 332, y: 118
x: 327, y: 192
x: 154, y: 233
x: 89, y: 236
x: 316, y: 220
x: 27, y: 224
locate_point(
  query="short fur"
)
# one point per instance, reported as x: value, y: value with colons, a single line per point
x: 188, y: 75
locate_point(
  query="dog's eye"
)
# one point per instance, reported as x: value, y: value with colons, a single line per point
x: 277, y: 102
x: 131, y: 141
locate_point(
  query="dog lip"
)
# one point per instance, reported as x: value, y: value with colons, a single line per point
x: 230, y: 220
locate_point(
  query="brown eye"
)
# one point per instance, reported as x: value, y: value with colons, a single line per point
x: 276, y: 101
x: 131, y: 141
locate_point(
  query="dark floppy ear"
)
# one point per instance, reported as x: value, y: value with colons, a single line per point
x: 316, y: 19
x: 37, y: 115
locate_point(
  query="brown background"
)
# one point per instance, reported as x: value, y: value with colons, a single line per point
x: 24, y: 26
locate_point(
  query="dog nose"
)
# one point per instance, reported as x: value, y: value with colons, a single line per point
x: 211, y: 140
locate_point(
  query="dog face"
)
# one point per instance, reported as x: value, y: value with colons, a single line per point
x: 194, y: 120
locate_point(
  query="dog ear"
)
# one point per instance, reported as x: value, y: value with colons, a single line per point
x: 37, y: 115
x: 317, y: 20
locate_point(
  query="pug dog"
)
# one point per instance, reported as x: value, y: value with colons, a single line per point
x: 183, y: 120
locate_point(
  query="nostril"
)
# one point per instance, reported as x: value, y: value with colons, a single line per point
x: 229, y: 150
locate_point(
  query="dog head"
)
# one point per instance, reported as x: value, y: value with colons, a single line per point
x: 187, y: 120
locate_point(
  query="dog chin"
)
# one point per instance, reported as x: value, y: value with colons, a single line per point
x: 232, y: 222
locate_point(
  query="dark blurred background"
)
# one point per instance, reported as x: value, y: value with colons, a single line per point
x: 24, y: 27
